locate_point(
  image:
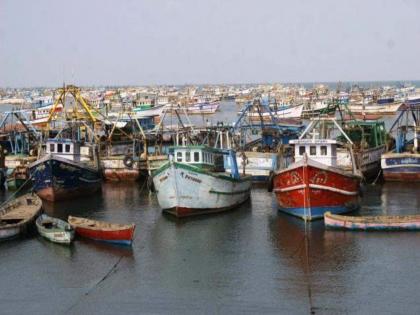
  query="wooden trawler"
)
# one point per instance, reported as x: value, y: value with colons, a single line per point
x: 403, y: 163
x: 369, y: 143
x: 17, y: 177
x: 66, y: 169
x: 122, y: 152
x: 375, y: 223
x: 280, y: 112
x: 194, y: 182
x: 317, y: 182
x: 18, y: 140
x: 17, y: 216
x: 378, y: 109
x: 202, y: 108
x: 120, y: 168
x: 262, y: 145
x: 68, y: 165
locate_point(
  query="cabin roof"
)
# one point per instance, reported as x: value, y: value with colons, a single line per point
x: 196, y: 147
x: 61, y: 140
x: 313, y: 141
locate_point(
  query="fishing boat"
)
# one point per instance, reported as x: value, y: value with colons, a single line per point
x: 413, y: 99
x: 120, y: 168
x: 263, y: 146
x: 39, y: 115
x: 68, y: 161
x: 16, y: 177
x: 377, y: 109
x: 17, y: 216
x: 203, y: 108
x: 403, y: 163
x: 54, y: 230
x: 313, y: 109
x: 259, y: 158
x: 143, y: 111
x: 194, y: 182
x: 369, y: 142
x: 280, y: 112
x: 378, y: 223
x: 103, y: 231
x: 316, y: 183
x: 120, y: 156
x: 67, y: 169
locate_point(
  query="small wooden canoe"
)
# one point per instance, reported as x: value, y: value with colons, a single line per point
x: 18, y: 215
x: 55, y: 230
x: 103, y: 231
x: 383, y: 222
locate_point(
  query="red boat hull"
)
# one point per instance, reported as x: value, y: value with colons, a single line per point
x: 124, y: 236
x: 308, y: 191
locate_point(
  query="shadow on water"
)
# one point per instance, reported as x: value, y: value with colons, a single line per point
x: 243, y: 209
x: 61, y: 250
x: 125, y: 251
x: 327, y: 249
x: 83, y: 206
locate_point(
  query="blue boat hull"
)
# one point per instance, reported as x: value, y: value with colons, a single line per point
x: 316, y: 213
x: 405, y: 167
x: 56, y: 179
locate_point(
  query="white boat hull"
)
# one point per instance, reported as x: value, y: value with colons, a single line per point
x: 8, y: 233
x: 287, y: 112
x: 150, y: 112
x: 184, y: 191
x: 383, y: 109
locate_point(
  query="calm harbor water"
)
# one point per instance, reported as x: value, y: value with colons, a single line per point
x: 250, y: 260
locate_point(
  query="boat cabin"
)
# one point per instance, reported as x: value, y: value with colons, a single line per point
x: 68, y: 149
x: 320, y: 150
x: 201, y: 156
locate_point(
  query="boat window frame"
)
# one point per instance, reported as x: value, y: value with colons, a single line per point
x: 323, y: 150
x: 67, y: 148
x: 187, y: 156
x: 178, y: 156
x: 59, y: 148
x: 302, y: 152
x: 52, y: 147
x: 196, y: 156
x: 312, y: 150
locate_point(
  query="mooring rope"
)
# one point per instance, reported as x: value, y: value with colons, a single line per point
x: 14, y: 194
x: 308, y: 269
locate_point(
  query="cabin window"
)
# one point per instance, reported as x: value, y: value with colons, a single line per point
x: 188, y: 156
x: 312, y: 150
x: 301, y: 150
x: 196, y: 156
x: 323, y: 150
x: 179, y: 156
x: 59, y: 147
x: 51, y: 147
x: 67, y: 148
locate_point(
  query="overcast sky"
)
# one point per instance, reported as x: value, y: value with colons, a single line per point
x: 94, y: 42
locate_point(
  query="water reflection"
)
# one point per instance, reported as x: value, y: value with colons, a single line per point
x: 400, y: 198
x: 84, y: 206
x: 60, y: 250
x: 107, y: 248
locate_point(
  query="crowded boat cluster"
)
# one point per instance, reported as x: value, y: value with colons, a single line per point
x: 312, y: 147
